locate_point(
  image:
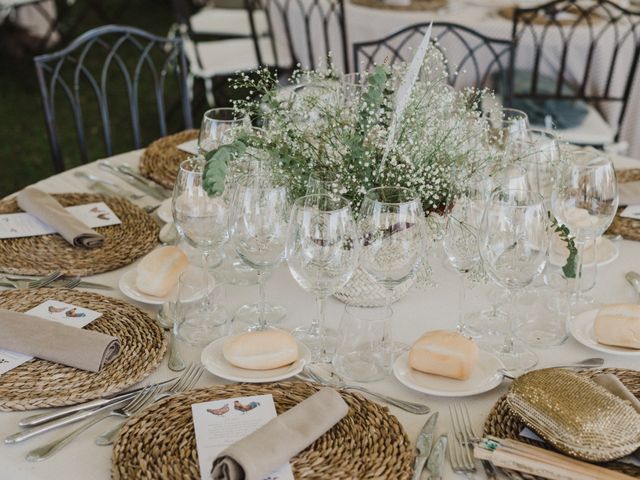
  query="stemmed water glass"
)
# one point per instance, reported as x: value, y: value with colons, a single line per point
x: 391, y: 231
x: 460, y: 244
x: 215, y: 123
x: 259, y: 216
x: 585, y: 199
x: 505, y: 126
x: 202, y: 220
x: 513, y: 241
x: 322, y: 254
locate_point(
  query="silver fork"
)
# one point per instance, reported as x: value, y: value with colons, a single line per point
x: 136, y: 404
x: 40, y: 282
x: 460, y: 452
x: 71, y: 282
x: 187, y: 380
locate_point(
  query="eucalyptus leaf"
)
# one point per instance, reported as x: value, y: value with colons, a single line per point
x: 217, y: 162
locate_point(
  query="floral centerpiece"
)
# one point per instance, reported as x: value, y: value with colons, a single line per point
x: 341, y: 128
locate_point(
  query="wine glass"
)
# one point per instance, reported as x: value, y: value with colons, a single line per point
x: 322, y: 254
x: 391, y: 230
x: 513, y: 242
x: 460, y: 244
x: 320, y: 183
x: 506, y: 125
x: 585, y: 199
x: 259, y: 214
x: 215, y: 122
x: 202, y: 220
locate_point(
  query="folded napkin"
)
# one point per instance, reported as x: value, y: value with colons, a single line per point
x: 629, y: 193
x: 272, y: 445
x: 44, y: 207
x: 56, y: 342
x: 615, y: 386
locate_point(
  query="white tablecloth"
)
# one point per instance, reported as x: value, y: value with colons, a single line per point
x: 421, y: 310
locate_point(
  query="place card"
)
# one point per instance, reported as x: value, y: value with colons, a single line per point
x: 66, y: 313
x: 190, y: 147
x: 221, y: 423
x: 632, y: 211
x: 18, y: 225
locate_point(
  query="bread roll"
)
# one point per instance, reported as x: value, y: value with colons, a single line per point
x: 261, y: 350
x: 618, y: 325
x: 444, y: 353
x: 160, y: 270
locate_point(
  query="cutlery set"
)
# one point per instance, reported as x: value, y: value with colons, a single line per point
x: 134, y: 179
x: 123, y: 405
x: 431, y: 458
x: 53, y: 280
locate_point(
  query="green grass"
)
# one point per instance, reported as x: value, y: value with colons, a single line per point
x: 24, y: 148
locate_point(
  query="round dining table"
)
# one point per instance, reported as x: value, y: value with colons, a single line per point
x: 423, y: 309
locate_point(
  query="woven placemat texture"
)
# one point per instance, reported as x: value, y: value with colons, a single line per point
x: 40, y: 255
x: 536, y: 18
x: 502, y: 422
x: 627, y: 227
x: 40, y: 383
x: 161, y: 160
x: 415, y: 5
x: 369, y: 443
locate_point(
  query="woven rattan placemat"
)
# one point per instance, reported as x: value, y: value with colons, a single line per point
x: 415, y: 5
x: 536, y: 19
x: 40, y: 384
x: 124, y: 243
x: 369, y: 443
x: 503, y: 423
x: 161, y: 160
x: 627, y: 227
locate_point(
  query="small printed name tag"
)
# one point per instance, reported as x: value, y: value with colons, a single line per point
x: 632, y: 211
x: 54, y: 311
x: 190, y: 147
x: 221, y: 423
x: 17, y: 225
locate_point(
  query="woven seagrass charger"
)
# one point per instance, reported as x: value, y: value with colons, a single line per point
x: 161, y: 160
x: 534, y: 19
x: 369, y: 443
x: 40, y: 255
x: 502, y: 422
x: 627, y: 227
x: 40, y: 383
x: 415, y: 5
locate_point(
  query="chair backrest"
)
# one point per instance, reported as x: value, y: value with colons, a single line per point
x: 471, y: 58
x: 588, y: 48
x: 106, y: 72
x: 303, y: 33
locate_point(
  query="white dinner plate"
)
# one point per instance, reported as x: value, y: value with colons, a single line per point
x: 484, y: 377
x: 581, y: 327
x: 164, y: 211
x: 127, y: 285
x: 214, y: 361
x: 607, y: 251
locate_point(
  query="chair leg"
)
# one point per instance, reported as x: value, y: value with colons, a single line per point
x: 208, y: 89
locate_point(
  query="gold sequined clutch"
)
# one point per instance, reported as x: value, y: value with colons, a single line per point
x: 575, y: 415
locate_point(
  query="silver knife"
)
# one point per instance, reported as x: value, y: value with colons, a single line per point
x: 41, y: 418
x: 147, y: 181
x: 423, y: 445
x: 436, y: 459
x: 131, y: 180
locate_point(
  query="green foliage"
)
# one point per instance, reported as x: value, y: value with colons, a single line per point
x: 218, y: 161
x: 570, y: 267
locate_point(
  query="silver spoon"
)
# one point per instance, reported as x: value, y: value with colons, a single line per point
x: 594, y: 362
x: 634, y: 279
x: 165, y: 319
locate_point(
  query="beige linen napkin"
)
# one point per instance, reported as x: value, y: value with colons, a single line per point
x: 272, y: 445
x: 629, y: 193
x: 44, y: 207
x: 56, y: 342
x: 615, y: 386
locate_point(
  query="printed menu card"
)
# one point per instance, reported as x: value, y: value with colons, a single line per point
x: 221, y: 423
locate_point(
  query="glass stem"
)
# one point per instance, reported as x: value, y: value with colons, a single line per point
x: 507, y: 347
x: 462, y: 297
x: 262, y: 301
x: 577, y: 284
x: 321, y: 303
x: 205, y: 278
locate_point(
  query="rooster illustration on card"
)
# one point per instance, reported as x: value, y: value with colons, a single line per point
x: 242, y: 408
